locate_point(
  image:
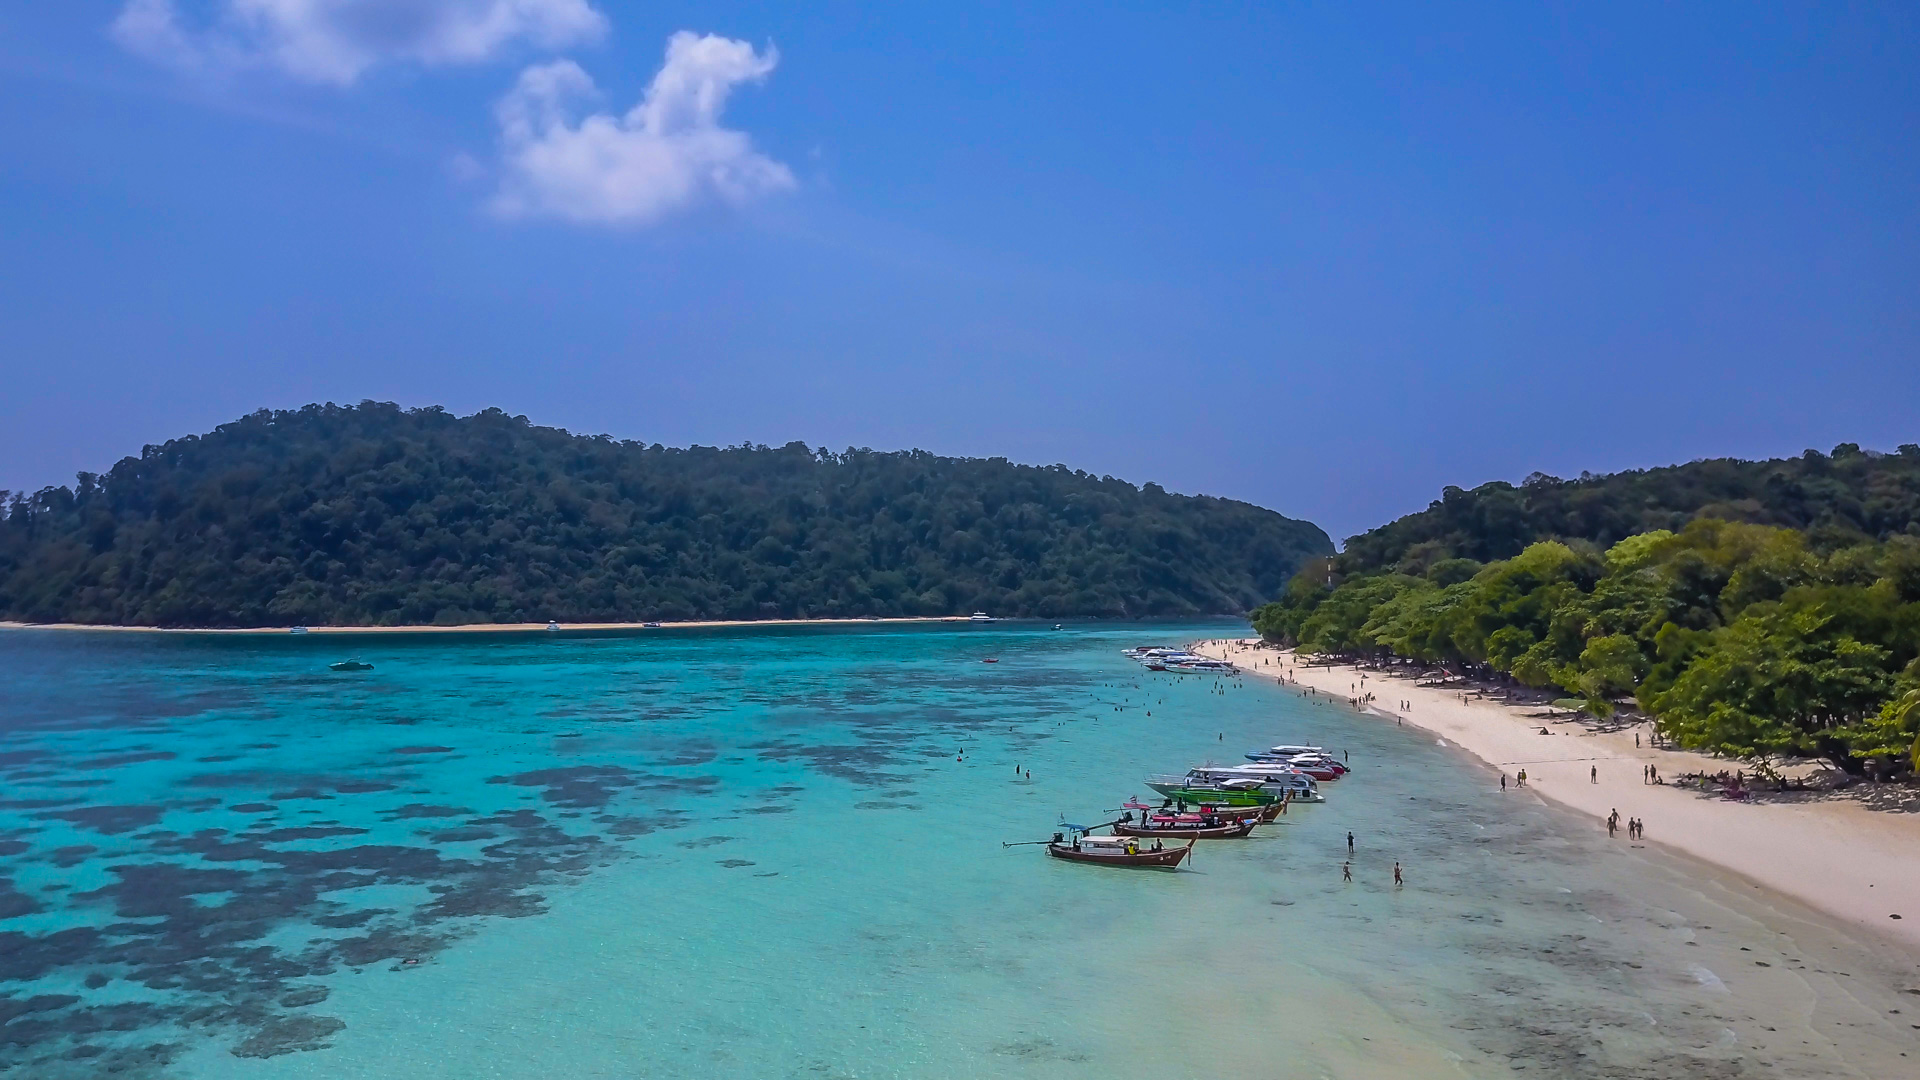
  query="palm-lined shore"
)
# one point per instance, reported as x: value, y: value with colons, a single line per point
x: 1830, y: 853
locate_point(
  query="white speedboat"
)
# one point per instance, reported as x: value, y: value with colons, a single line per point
x: 979, y: 616
x: 1200, y: 665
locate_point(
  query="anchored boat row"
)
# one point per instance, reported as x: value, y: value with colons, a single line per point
x: 1209, y: 802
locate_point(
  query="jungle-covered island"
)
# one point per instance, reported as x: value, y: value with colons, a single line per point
x: 380, y: 516
x: 1757, y: 609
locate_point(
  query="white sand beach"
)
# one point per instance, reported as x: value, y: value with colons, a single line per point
x: 1829, y: 851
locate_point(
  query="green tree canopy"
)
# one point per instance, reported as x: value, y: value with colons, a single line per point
x: 379, y: 515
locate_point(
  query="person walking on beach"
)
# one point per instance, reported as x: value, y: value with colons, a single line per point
x: 1346, y: 871
x: 1397, y: 882
x: 1503, y: 781
x: 1523, y: 778
x: 1593, y: 774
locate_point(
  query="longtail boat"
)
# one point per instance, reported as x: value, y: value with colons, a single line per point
x: 1256, y: 814
x: 1179, y: 829
x: 1117, y: 851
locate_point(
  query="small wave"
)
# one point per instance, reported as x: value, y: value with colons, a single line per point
x: 1708, y: 979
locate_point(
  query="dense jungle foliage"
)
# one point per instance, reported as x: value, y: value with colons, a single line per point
x: 1744, y: 637
x: 1836, y: 498
x: 378, y: 515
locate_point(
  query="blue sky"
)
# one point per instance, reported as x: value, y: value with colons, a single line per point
x: 1326, y: 258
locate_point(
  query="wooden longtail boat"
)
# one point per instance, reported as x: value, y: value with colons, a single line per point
x: 1228, y: 830
x: 1112, y: 851
x: 1262, y: 814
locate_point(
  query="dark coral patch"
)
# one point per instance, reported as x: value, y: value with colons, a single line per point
x: 309, y: 832
x: 627, y: 827
x: 289, y: 1034
x: 302, y: 996
x: 111, y: 760
x: 349, y: 920
x: 13, y: 847
x: 362, y: 787
x: 110, y: 820
x: 297, y: 794
x: 64, y: 857
x: 577, y: 786
x: 13, y: 902
x: 423, y: 810
x: 254, y: 808
x: 422, y: 750
x: 462, y: 835
x: 25, y: 957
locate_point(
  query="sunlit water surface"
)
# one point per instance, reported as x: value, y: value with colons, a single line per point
x: 779, y: 853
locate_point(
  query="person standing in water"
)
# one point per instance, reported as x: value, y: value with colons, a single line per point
x: 1349, y: 845
x: 1397, y: 882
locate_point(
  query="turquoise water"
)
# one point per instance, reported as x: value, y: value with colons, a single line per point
x: 774, y: 852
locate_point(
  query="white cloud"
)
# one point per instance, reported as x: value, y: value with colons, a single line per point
x: 666, y: 154
x: 335, y: 41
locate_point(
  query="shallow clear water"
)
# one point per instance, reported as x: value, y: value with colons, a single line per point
x: 778, y: 852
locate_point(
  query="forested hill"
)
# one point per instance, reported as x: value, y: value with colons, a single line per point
x: 1841, y: 498
x: 378, y: 515
x: 1754, y: 609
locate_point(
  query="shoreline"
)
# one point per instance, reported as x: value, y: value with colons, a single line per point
x: 1835, y: 856
x: 484, y: 628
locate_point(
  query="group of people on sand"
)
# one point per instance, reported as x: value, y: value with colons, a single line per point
x: 1636, y: 829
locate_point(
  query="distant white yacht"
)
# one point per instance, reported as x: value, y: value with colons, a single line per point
x: 979, y: 616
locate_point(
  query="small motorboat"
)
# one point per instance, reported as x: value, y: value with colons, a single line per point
x: 1117, y: 851
x: 980, y: 616
x: 991, y: 660
x: 1059, y: 626
x: 650, y: 625
x: 297, y: 630
x: 1194, y: 792
x: 350, y: 665
x: 1256, y: 814
x: 553, y: 626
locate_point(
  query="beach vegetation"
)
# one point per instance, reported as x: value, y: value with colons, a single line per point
x: 1772, y: 609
